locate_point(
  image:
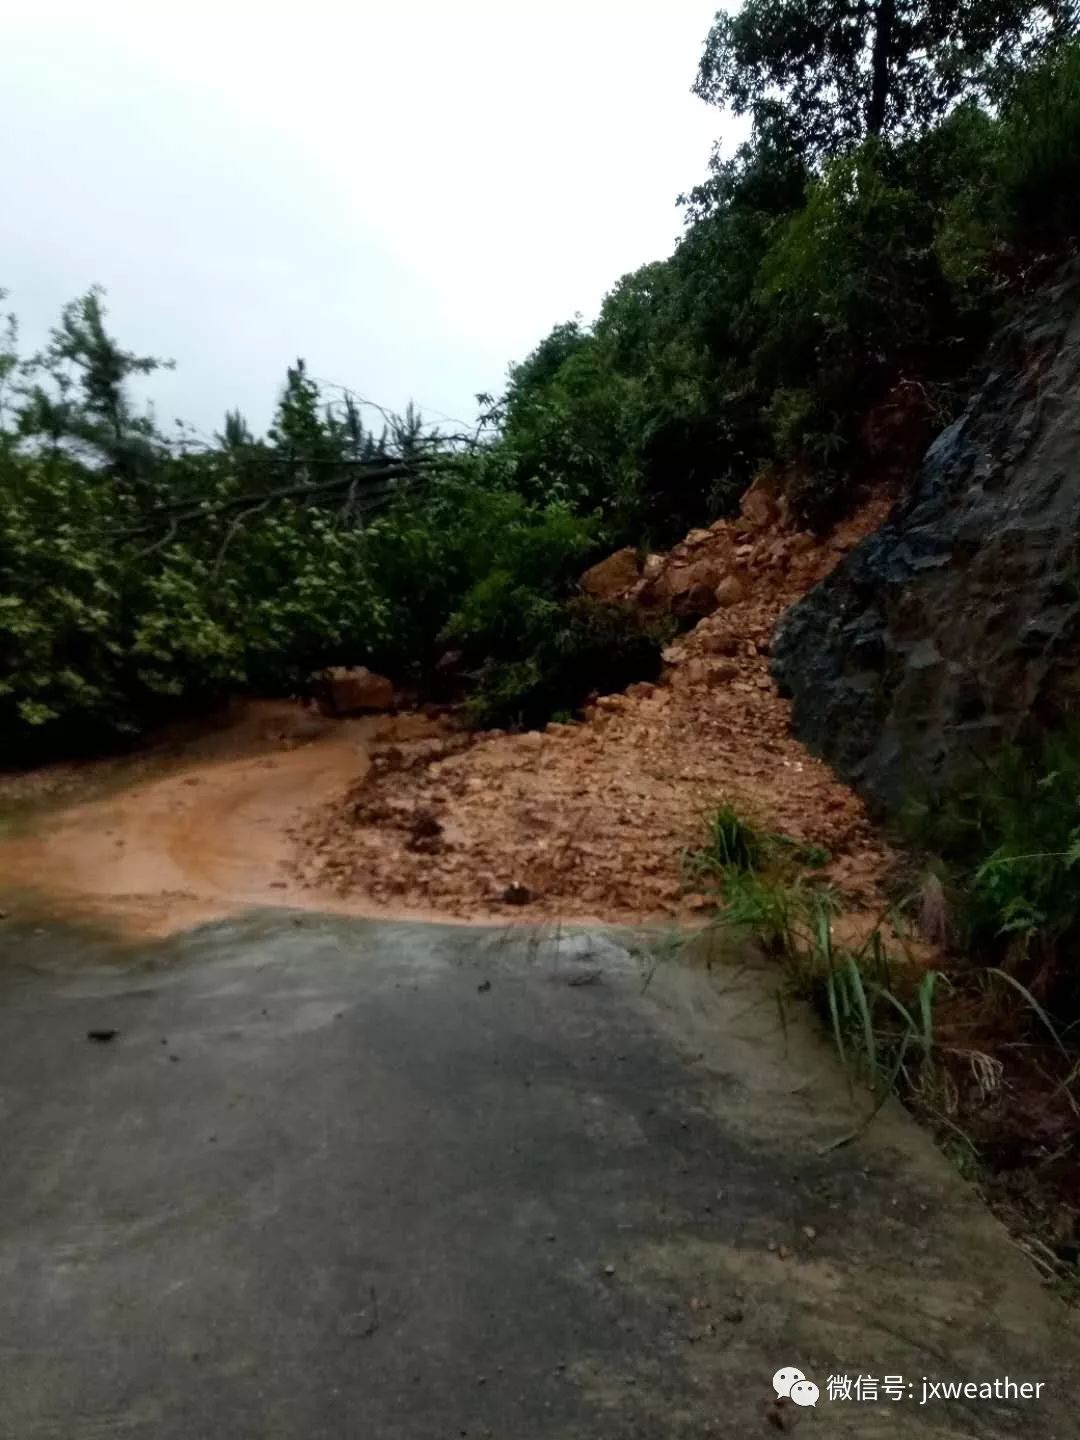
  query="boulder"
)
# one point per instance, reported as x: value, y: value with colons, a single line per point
x: 758, y: 508
x: 956, y: 626
x: 688, y: 590
x: 351, y: 689
x: 730, y: 591
x: 697, y: 599
x: 613, y: 576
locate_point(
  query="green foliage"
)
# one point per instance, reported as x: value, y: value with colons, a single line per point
x: 800, y: 295
x: 74, y: 393
x: 734, y: 849
x: 568, y: 423
x: 1011, y: 847
x: 1041, y: 151
x: 572, y: 650
x: 834, y: 74
x: 139, y: 577
x: 473, y: 564
x: 730, y: 844
x: 882, y: 1021
x: 821, y: 275
x: 851, y: 275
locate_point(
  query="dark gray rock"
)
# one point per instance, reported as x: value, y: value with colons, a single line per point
x: 956, y: 626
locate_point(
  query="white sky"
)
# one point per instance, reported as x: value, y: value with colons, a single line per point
x: 409, y: 194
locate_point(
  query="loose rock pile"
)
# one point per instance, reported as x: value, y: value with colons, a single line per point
x: 589, y: 819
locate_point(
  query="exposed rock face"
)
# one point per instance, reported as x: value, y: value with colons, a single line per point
x: 956, y: 626
x: 349, y: 690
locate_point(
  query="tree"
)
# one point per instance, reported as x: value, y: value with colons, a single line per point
x: 300, y: 430
x: 236, y: 435
x: 81, y: 397
x: 842, y: 70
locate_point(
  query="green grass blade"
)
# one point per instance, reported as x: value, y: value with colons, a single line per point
x: 1038, y: 1009
x: 865, y: 1018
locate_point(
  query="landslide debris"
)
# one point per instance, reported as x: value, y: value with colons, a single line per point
x: 589, y: 819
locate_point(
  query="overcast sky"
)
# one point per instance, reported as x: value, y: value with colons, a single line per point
x: 409, y: 194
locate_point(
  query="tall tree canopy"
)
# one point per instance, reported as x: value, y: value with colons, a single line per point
x: 833, y: 72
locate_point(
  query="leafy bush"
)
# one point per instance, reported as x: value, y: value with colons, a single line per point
x: 140, y: 575
x: 572, y: 650
x: 1011, y: 847
x: 1040, y: 151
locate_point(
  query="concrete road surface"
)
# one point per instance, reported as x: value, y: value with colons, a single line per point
x: 334, y: 1178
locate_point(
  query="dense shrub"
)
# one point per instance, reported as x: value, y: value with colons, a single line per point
x: 568, y: 652
x: 1010, y: 844
x: 1040, y: 152
x: 128, y: 591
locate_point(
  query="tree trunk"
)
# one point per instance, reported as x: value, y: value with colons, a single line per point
x: 880, y: 71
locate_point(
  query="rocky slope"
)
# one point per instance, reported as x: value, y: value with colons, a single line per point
x: 957, y: 624
x: 589, y: 819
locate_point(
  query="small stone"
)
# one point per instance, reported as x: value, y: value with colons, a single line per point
x: 719, y: 641
x: 809, y: 1232
x: 721, y: 671
x: 609, y: 1270
x: 517, y: 894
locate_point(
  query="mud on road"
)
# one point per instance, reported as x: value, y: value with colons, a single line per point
x: 188, y: 831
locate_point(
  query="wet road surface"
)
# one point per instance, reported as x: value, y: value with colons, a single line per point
x: 345, y: 1178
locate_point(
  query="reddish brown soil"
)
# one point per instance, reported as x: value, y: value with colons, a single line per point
x: 191, y: 829
x: 588, y: 820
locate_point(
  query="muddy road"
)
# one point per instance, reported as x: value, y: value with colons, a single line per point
x: 189, y: 832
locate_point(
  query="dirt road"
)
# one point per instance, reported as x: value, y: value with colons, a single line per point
x: 195, y: 832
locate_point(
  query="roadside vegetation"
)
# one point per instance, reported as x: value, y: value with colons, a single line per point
x: 960, y: 998
x: 818, y: 321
